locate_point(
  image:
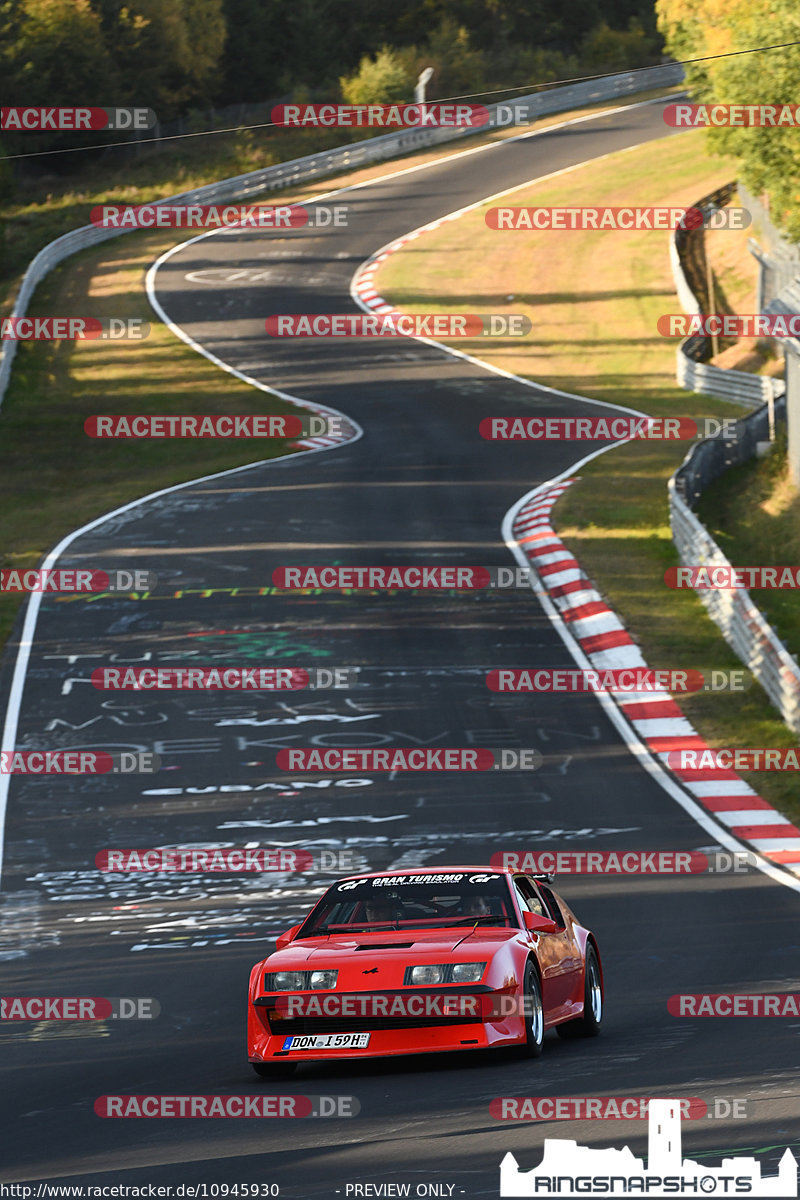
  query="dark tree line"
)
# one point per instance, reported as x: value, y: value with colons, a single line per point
x: 178, y: 55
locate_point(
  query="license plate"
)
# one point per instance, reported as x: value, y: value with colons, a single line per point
x: 326, y: 1041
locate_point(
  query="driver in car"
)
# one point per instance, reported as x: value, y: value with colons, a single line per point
x: 381, y: 908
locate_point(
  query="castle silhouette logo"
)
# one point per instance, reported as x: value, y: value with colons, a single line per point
x: 568, y: 1169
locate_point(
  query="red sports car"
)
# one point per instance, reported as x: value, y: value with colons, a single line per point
x: 451, y: 958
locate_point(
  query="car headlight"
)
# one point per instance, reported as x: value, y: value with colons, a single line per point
x: 428, y: 973
x: 324, y: 979
x: 289, y: 981
x: 468, y: 972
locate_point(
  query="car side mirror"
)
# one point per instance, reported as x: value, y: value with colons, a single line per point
x: 537, y: 924
x: 285, y: 938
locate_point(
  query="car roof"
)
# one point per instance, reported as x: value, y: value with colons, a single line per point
x: 446, y: 870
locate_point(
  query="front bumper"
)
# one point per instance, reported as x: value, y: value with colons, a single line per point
x: 388, y: 1036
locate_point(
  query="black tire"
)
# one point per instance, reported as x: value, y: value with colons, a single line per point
x: 534, y: 1013
x: 587, y: 1025
x: 274, y: 1070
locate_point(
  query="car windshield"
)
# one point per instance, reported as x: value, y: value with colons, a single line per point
x: 412, y: 902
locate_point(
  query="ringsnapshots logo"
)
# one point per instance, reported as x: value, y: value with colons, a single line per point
x: 633, y: 219
x: 217, y: 425
x: 46, y: 119
x: 397, y: 324
x: 568, y: 1170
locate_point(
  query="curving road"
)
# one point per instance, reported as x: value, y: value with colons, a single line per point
x: 418, y: 487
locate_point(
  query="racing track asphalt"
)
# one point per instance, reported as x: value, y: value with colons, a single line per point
x: 419, y: 487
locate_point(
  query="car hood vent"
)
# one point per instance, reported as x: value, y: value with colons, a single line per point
x: 385, y: 946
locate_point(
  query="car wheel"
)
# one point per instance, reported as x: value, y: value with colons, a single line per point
x: 274, y: 1070
x: 589, y: 1024
x: 534, y: 1013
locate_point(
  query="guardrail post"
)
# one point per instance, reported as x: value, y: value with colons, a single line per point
x: 793, y: 408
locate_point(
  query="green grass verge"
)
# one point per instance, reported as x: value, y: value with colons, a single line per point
x: 598, y: 337
x: 54, y: 477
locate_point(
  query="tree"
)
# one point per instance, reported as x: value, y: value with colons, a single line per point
x: 769, y: 157
x: 609, y: 49
x: 379, y: 80
x: 58, y: 56
x: 166, y: 53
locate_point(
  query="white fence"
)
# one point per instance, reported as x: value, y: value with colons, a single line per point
x: 742, y: 624
x: 737, y: 387
x: 314, y: 166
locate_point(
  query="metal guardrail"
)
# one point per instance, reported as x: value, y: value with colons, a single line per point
x: 741, y: 622
x: 737, y: 387
x: 314, y: 166
x: 687, y: 257
x: 709, y: 459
